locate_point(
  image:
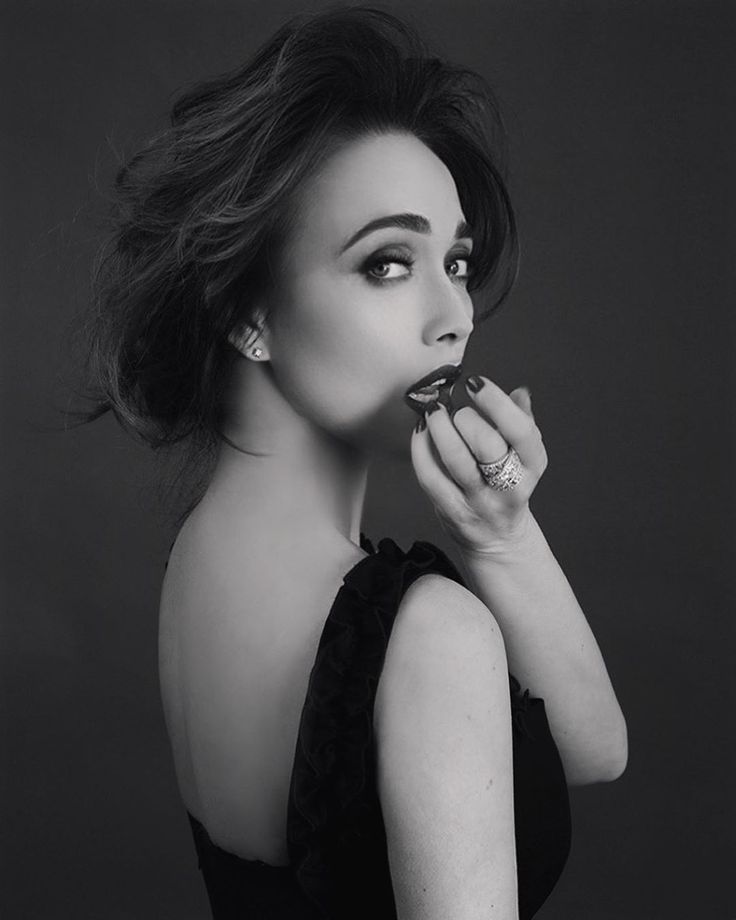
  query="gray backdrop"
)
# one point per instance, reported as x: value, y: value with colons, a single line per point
x: 621, y: 118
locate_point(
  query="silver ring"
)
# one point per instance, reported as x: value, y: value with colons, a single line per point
x: 503, y: 474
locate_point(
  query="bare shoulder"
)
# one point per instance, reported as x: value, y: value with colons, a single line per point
x: 444, y: 757
x: 440, y: 630
x: 439, y: 615
x: 434, y: 597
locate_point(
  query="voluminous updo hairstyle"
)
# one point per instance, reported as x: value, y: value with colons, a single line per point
x: 200, y: 215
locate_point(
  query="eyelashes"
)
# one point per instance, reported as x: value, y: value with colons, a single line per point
x: 400, y: 258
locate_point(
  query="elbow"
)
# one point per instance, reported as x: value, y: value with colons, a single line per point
x: 607, y: 763
x: 614, y: 766
x: 619, y: 753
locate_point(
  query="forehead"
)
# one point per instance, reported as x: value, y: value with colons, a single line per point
x: 370, y: 178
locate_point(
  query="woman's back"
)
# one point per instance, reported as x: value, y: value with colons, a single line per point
x: 240, y: 619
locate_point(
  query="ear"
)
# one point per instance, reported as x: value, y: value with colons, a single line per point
x: 250, y: 340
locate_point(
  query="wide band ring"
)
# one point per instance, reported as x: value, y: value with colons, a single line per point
x: 503, y: 474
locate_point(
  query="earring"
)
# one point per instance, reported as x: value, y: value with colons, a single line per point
x: 257, y: 352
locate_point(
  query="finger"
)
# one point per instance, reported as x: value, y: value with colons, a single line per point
x: 455, y: 454
x: 480, y: 438
x: 433, y: 477
x: 537, y: 458
x: 484, y: 442
x: 514, y: 424
x: 523, y: 398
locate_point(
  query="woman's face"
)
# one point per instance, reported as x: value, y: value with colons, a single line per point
x: 356, y: 318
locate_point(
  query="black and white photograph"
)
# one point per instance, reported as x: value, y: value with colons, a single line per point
x: 368, y: 467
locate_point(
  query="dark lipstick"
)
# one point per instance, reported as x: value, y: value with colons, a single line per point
x: 435, y: 386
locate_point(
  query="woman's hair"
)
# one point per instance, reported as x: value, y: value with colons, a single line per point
x: 201, y: 214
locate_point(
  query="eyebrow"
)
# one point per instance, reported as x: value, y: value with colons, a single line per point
x: 405, y: 221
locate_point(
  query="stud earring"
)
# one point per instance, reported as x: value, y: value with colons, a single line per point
x: 257, y: 352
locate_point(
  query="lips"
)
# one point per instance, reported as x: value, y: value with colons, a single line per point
x: 434, y: 386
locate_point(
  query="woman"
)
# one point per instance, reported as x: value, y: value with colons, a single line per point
x: 289, y: 286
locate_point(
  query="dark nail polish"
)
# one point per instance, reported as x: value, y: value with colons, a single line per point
x: 474, y: 383
x: 432, y: 407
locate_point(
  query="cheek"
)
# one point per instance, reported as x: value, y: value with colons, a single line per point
x: 328, y: 364
x: 342, y: 359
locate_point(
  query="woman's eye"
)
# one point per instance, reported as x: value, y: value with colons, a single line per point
x: 468, y: 260
x: 377, y: 270
x: 376, y: 267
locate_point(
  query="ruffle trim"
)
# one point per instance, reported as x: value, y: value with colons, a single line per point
x: 331, y: 800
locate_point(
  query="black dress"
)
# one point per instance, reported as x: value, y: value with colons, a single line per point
x: 338, y: 864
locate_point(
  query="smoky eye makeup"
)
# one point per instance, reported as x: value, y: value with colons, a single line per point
x: 372, y: 266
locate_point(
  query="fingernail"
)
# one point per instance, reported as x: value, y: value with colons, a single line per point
x: 432, y: 407
x: 474, y: 383
x: 420, y: 425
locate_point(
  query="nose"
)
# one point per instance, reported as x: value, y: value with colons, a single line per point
x: 449, y: 316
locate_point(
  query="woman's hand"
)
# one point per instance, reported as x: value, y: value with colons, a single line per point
x: 446, y: 454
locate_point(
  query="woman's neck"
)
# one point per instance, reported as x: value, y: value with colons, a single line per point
x: 274, y: 462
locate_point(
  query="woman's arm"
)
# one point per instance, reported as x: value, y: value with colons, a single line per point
x: 444, y: 758
x: 551, y: 650
x: 512, y: 570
